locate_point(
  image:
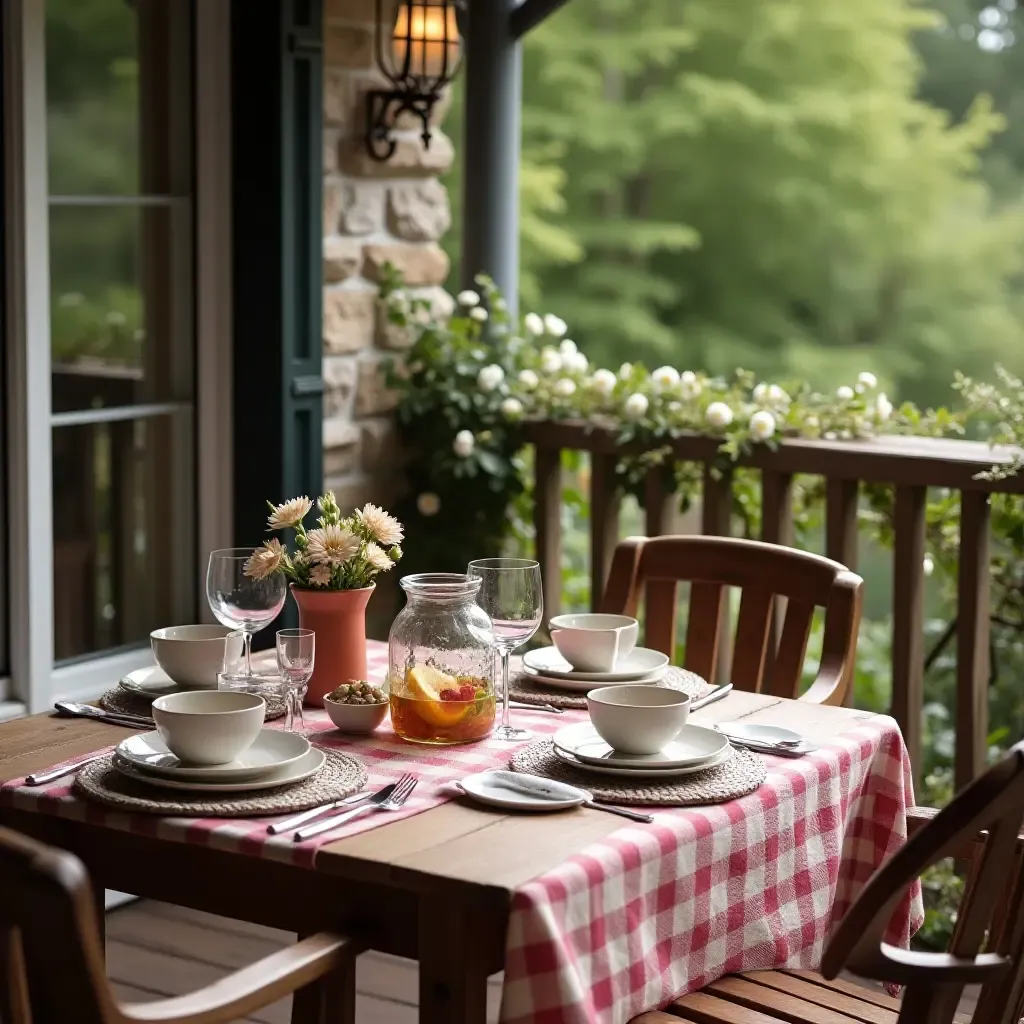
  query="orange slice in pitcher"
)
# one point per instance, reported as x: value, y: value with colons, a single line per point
x: 425, y: 684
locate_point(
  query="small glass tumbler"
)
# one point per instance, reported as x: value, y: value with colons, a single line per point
x: 296, y: 649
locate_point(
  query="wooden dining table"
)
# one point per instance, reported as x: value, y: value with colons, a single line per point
x: 435, y: 888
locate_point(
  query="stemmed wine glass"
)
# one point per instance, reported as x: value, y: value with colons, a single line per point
x: 295, y: 653
x: 510, y: 593
x: 239, y: 601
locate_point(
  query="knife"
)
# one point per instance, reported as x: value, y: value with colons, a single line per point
x: 66, y: 707
x: 709, y: 698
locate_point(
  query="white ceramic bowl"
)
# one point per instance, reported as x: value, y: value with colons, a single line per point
x: 638, y: 718
x: 357, y: 719
x: 193, y: 655
x: 209, y: 726
x: 592, y: 642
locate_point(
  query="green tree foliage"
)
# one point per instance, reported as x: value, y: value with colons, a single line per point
x: 758, y: 183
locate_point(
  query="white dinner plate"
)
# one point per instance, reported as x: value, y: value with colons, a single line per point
x: 309, y: 764
x: 149, y: 682
x: 640, y: 663
x: 694, y: 745
x: 642, y: 773
x: 272, y: 749
x: 492, y: 788
x: 586, y: 685
x: 760, y: 733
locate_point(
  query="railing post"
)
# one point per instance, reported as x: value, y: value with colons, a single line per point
x: 659, y: 503
x: 716, y: 521
x: 908, y: 619
x: 841, y: 521
x: 776, y: 528
x: 604, y: 521
x: 972, y: 638
x: 547, y: 521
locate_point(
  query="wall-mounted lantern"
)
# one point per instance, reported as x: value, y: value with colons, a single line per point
x: 419, y: 54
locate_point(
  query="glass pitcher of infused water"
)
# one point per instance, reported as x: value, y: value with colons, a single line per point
x: 441, y: 671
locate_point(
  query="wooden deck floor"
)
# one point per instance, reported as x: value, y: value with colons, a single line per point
x: 156, y: 950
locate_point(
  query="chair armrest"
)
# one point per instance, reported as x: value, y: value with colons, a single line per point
x: 252, y: 987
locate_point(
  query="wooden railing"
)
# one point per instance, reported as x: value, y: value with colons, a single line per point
x: 910, y: 464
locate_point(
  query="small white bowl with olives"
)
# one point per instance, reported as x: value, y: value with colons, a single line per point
x: 357, y: 707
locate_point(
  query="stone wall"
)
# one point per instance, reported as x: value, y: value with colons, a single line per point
x: 374, y: 214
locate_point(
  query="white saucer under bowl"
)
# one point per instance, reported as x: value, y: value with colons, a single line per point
x: 309, y: 764
x: 642, y: 773
x: 272, y: 749
x: 694, y: 745
x: 149, y: 682
x: 586, y: 685
x: 490, y: 788
x: 641, y: 662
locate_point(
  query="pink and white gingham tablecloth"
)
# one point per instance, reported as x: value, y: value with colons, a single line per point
x: 652, y: 911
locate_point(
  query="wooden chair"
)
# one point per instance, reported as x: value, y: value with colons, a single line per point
x: 764, y: 573
x: 981, y: 826
x: 52, y: 962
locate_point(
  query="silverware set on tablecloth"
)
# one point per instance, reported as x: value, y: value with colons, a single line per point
x: 390, y: 798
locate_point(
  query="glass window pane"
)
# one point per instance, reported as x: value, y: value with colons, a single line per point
x: 120, y: 314
x: 118, y: 492
x: 116, y: 96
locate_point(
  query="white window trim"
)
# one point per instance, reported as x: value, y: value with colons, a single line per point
x: 35, y: 682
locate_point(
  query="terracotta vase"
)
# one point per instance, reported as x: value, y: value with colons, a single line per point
x: 338, y: 617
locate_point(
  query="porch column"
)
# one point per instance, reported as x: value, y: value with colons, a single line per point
x: 491, y: 148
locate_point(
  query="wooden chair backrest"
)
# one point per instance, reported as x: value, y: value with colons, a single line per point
x: 990, y: 916
x: 50, y: 952
x: 764, y: 573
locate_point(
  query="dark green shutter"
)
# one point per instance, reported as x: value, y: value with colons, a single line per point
x: 277, y: 131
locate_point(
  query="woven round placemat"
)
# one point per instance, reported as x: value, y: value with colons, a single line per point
x: 530, y: 691
x: 135, y: 704
x: 740, y: 775
x: 340, y: 776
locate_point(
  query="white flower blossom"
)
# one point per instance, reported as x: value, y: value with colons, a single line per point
x: 762, y: 425
x: 512, y: 408
x: 382, y: 526
x: 868, y: 380
x: 576, y: 361
x: 464, y: 444
x: 883, y: 407
x: 528, y: 380
x: 665, y: 378
x: 555, y: 325
x: 811, y: 423
x: 479, y: 314
x: 777, y: 396
x: 690, y: 386
x: 636, y: 406
x: 761, y: 393
x: 844, y: 394
x: 719, y: 415
x: 290, y: 513
x: 428, y: 504
x: 568, y: 347
x: 565, y: 387
x: 481, y: 279
x: 468, y: 298
x: 550, y: 360
x: 490, y: 377
x: 500, y: 304
x: 625, y: 371
x: 928, y: 565
x: 675, y: 407
x: 603, y: 382
x: 533, y: 323
x: 332, y: 545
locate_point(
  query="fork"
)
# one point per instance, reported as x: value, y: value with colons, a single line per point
x: 378, y: 802
x: 288, y: 824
